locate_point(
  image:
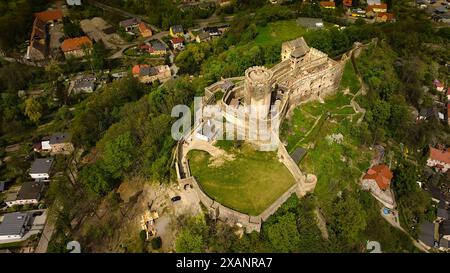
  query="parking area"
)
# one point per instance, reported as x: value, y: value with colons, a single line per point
x: 99, y: 30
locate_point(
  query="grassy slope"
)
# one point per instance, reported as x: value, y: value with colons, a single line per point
x: 278, y: 32
x: 249, y: 184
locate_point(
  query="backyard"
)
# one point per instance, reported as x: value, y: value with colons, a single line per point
x: 249, y: 183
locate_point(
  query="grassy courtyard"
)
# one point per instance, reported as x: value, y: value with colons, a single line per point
x: 250, y: 183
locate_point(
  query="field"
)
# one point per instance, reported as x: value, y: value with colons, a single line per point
x: 249, y: 183
x: 278, y: 32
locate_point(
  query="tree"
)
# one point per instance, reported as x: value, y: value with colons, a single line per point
x: 118, y: 155
x: 189, y: 242
x: 33, y: 109
x: 96, y: 179
x: 349, y: 218
x: 283, y: 235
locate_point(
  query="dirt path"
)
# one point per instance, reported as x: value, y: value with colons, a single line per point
x: 321, y: 224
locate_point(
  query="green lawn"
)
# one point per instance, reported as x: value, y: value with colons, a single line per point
x: 349, y: 79
x: 278, y: 32
x: 250, y: 183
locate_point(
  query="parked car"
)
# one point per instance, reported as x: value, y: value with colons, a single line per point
x: 176, y: 198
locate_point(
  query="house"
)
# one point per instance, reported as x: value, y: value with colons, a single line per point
x: 438, y: 85
x: 213, y: 31
x: 176, y: 30
x: 60, y: 143
x: 84, y: 85
x: 157, y: 48
x: 202, y: 36
x: 50, y: 16
x: 381, y: 174
x: 377, y: 180
x: 41, y: 168
x: 439, y: 159
x: 43, y: 146
x: 327, y: 4
x: 38, y: 48
x: 347, y: 3
x: 29, y: 193
x: 224, y: 3
x: 130, y: 24
x: 177, y: 43
x: 144, y: 30
x: 382, y: 7
x: 384, y: 17
x: 75, y: 46
x: 358, y: 13
x: 14, y: 225
x: 310, y: 23
x: 147, y: 74
x: 73, y: 2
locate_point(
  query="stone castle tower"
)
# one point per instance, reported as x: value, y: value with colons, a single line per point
x: 258, y: 90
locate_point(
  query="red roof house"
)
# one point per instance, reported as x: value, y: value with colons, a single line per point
x: 328, y: 4
x: 381, y: 174
x: 49, y: 15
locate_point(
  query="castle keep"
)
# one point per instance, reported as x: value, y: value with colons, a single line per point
x: 266, y: 95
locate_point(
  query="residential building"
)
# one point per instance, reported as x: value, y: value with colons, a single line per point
x: 76, y: 46
x: 50, y: 16
x: 347, y: 3
x: 382, y: 7
x: 177, y: 43
x: 213, y: 31
x: 377, y: 180
x: 147, y: 74
x: 41, y: 168
x: 327, y: 4
x: 176, y: 30
x: 130, y: 24
x: 29, y: 193
x: 144, y: 30
x: 60, y: 143
x: 439, y: 159
x: 84, y: 85
x: 14, y: 225
x: 157, y: 48
x: 38, y: 48
x: 384, y: 17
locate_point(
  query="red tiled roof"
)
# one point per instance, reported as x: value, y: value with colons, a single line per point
x: 388, y: 15
x: 49, y: 15
x: 381, y: 174
x: 177, y: 40
x: 347, y: 3
x: 75, y: 43
x: 144, y: 28
x: 380, y: 6
x: 327, y: 4
x: 137, y: 68
x: 440, y: 155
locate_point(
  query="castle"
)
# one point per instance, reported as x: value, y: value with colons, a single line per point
x: 260, y: 99
x: 266, y: 95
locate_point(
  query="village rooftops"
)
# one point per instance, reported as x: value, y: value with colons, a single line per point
x: 41, y: 165
x: 75, y: 43
x: 381, y: 174
x: 14, y: 223
x: 60, y: 138
x: 327, y: 4
x: 177, y: 40
x: 130, y: 22
x: 49, y: 15
x: 440, y: 155
x: 157, y: 45
x: 379, y: 7
x: 30, y: 190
